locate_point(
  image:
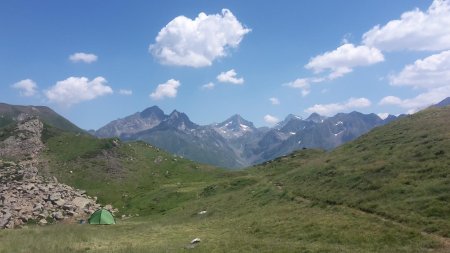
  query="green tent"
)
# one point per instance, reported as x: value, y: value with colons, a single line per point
x: 101, y: 216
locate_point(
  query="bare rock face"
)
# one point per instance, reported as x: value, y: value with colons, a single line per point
x: 25, y: 142
x: 26, y: 196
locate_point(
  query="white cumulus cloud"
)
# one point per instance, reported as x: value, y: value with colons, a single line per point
x: 430, y: 72
x: 230, y: 77
x: 431, y: 75
x: 272, y: 120
x: 274, y: 101
x: 74, y: 90
x: 198, y: 42
x: 125, y: 92
x: 83, y: 57
x: 167, y: 89
x: 343, y: 59
x: 333, y: 108
x: 26, y: 87
x: 415, y: 30
x: 208, y: 86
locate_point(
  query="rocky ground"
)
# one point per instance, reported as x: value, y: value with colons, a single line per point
x: 26, y: 196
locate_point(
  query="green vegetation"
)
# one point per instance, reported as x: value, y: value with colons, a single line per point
x: 388, y: 191
x: 399, y: 172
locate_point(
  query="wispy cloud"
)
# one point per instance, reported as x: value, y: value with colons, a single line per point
x: 125, y: 92
x: 333, y: 108
x: 83, y: 57
x: 274, y: 101
x: 26, y: 87
x: 208, y: 86
x: 271, y: 120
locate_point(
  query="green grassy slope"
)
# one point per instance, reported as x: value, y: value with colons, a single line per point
x: 377, y: 194
x: 400, y: 172
x: 135, y: 177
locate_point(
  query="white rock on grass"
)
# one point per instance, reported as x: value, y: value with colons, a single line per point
x: 196, y: 240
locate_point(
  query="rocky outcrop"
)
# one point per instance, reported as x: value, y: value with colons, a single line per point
x: 25, y: 140
x: 25, y: 200
x: 28, y: 197
x: 36, y: 200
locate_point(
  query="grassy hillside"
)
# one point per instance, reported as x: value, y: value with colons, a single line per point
x: 386, y: 192
x: 400, y: 172
x: 135, y: 177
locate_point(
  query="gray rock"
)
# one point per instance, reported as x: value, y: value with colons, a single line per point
x: 80, y: 202
x: 60, y: 202
x: 58, y: 215
x: 54, y: 196
x: 5, y: 219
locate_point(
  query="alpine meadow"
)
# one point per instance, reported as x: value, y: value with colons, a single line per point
x: 225, y: 126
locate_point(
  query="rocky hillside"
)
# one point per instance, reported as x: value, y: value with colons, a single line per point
x: 25, y: 194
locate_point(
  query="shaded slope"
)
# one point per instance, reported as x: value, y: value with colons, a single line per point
x: 10, y: 113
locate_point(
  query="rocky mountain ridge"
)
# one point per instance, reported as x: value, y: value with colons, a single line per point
x: 236, y: 142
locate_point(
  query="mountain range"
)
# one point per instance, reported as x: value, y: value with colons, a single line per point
x: 236, y: 142
x: 233, y: 143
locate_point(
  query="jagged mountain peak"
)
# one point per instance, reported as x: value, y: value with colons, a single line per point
x: 152, y: 111
x: 137, y: 122
x: 234, y: 127
x: 179, y: 120
x: 288, y: 119
x: 315, y: 117
x: 236, y: 122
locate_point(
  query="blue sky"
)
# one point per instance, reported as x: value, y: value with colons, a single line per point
x: 96, y: 61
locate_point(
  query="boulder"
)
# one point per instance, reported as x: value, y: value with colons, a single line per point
x: 43, y: 222
x: 60, y: 202
x: 54, y: 196
x: 5, y: 219
x: 58, y: 215
x: 80, y: 202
